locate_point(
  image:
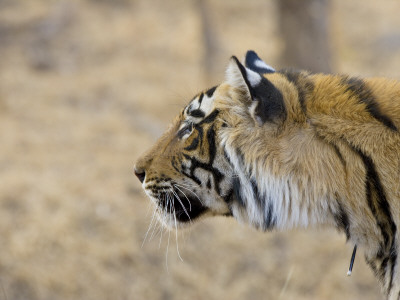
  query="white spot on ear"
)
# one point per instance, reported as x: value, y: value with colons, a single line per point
x: 253, y: 77
x: 235, y: 78
x: 261, y: 64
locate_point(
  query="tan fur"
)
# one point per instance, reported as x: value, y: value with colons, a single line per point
x: 324, y: 158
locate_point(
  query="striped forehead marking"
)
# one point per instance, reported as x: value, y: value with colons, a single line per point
x: 201, y: 106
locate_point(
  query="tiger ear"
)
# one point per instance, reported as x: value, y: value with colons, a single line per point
x: 264, y: 100
x: 256, y: 64
x: 242, y: 78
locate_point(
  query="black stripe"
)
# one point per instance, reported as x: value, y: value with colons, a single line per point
x: 237, y: 189
x: 211, y: 91
x: 268, y: 212
x: 257, y: 195
x: 201, y: 98
x: 339, y: 154
x: 303, y: 85
x: 196, y: 113
x: 380, y: 209
x: 292, y: 76
x: 190, y: 173
x: 212, y: 147
x: 191, y: 176
x: 193, y: 145
x: 201, y: 133
x: 270, y: 221
x: 195, y: 163
x: 358, y: 87
x: 334, y: 147
x: 212, y: 150
x: 208, y: 185
x: 240, y: 157
x: 174, y: 163
x: 210, y: 118
x: 255, y: 189
x: 342, y: 219
x: 227, y: 156
x: 289, y: 209
x: 229, y: 199
x: 393, y: 261
x: 236, y: 186
x: 374, y: 187
x: 372, y: 265
x: 375, y: 190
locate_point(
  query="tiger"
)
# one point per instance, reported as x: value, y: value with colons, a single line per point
x: 286, y: 149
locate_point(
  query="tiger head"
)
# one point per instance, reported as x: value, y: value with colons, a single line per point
x: 190, y: 172
x: 186, y: 173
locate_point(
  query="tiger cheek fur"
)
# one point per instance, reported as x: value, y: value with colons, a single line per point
x: 285, y: 149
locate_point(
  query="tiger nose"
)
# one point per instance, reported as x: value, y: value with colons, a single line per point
x: 140, y: 173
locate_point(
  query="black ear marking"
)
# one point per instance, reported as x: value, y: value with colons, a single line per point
x: 211, y: 91
x: 267, y: 103
x: 270, y: 106
x: 256, y: 64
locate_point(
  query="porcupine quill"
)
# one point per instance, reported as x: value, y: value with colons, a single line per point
x: 353, y: 256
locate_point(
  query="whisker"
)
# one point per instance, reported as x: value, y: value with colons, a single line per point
x: 180, y: 201
x: 179, y: 185
x: 159, y: 226
x: 176, y: 238
x: 155, y: 227
x: 150, y: 226
x: 190, y: 204
x: 166, y: 252
x: 149, y: 207
x: 161, y: 236
x: 162, y: 228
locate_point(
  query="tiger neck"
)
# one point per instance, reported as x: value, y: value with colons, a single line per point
x: 269, y: 201
x: 279, y: 204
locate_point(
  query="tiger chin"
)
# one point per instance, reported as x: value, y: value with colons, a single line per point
x: 285, y: 149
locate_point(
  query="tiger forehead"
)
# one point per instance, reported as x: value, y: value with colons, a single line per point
x: 201, y: 106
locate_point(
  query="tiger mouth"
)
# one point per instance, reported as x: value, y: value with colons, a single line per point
x: 183, y: 206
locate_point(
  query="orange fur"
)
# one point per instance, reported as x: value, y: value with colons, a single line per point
x: 332, y: 158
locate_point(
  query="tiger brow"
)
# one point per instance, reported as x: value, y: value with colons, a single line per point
x: 197, y: 113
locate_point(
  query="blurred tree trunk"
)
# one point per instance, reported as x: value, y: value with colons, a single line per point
x: 210, y: 43
x: 304, y: 28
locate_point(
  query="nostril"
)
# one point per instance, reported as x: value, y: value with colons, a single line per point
x: 140, y: 174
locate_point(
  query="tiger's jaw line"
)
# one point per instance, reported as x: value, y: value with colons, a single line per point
x: 173, y: 206
x: 177, y: 206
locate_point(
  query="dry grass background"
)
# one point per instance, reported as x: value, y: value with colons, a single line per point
x: 85, y: 87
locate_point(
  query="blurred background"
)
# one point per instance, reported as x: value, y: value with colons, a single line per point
x: 86, y: 86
